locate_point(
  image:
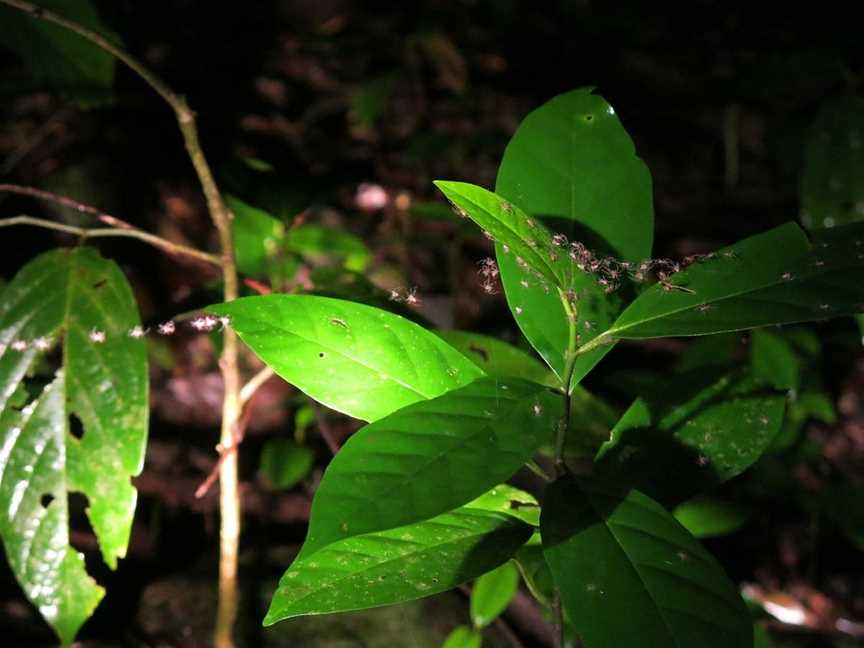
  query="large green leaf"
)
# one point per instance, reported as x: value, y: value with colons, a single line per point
x: 692, y: 432
x: 510, y: 500
x: 56, y: 56
x: 398, y: 564
x: 832, y: 171
x: 356, y: 359
x: 431, y: 457
x: 572, y: 164
x: 705, y: 516
x: 72, y: 298
x: 631, y: 576
x: 571, y: 158
x: 776, y: 277
x: 498, y: 358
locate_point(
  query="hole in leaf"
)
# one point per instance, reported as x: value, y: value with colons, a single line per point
x: 100, y: 283
x: 76, y: 427
x: 589, y: 117
x: 321, y: 354
x: 46, y: 500
x: 81, y: 536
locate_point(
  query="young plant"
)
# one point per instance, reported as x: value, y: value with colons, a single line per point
x: 404, y: 509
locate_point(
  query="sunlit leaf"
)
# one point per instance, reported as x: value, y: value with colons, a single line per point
x: 492, y: 594
x: 509, y: 500
x: 776, y: 277
x: 498, y: 358
x: 430, y: 457
x: 76, y: 299
x: 613, y: 550
x: 705, y: 516
x: 572, y: 165
x: 397, y: 565
x: 356, y: 359
x: 463, y: 637
x: 694, y: 431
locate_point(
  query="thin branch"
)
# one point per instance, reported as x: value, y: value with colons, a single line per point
x: 65, y: 201
x: 255, y: 382
x: 85, y: 233
x: 557, y: 621
x: 324, y: 429
x: 229, y: 495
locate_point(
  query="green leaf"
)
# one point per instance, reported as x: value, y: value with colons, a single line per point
x: 492, y: 594
x: 463, y: 637
x: 706, y: 517
x: 776, y: 277
x: 58, y: 57
x: 832, y: 172
x: 612, y: 550
x: 535, y: 570
x: 319, y: 244
x: 258, y: 241
x: 353, y: 358
x: 571, y: 158
x: 509, y: 500
x: 572, y: 164
x: 761, y: 638
x: 498, y: 358
x: 67, y: 297
x: 397, y: 565
x: 430, y: 457
x: 529, y: 240
x: 284, y: 463
x: 695, y: 431
x: 369, y: 101
x: 773, y: 360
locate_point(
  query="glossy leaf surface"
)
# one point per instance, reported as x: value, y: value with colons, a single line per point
x: 71, y: 298
x: 776, y: 277
x: 832, y: 171
x: 497, y: 358
x: 572, y: 165
x: 397, y: 565
x: 492, y: 594
x: 692, y: 432
x: 612, y: 550
x: 509, y: 500
x: 430, y: 457
x: 353, y: 358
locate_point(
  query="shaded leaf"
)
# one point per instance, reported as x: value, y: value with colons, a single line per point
x: 832, y: 170
x: 284, y: 463
x: 68, y: 297
x: 612, y: 550
x: 776, y: 277
x: 695, y: 431
x: 773, y: 360
x: 535, y: 570
x: 58, y: 57
x: 353, y: 358
x: 492, y: 594
x: 498, y: 358
x: 430, y: 457
x: 398, y: 564
x: 706, y: 517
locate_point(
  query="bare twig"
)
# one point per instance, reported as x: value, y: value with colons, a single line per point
x: 229, y: 502
x: 255, y: 382
x: 132, y: 232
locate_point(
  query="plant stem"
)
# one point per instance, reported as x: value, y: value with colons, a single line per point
x: 557, y: 621
x: 229, y: 500
x: 141, y: 235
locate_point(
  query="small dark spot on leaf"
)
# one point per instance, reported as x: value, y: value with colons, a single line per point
x: 46, y: 500
x: 100, y: 283
x: 321, y: 354
x: 589, y: 117
x: 76, y: 427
